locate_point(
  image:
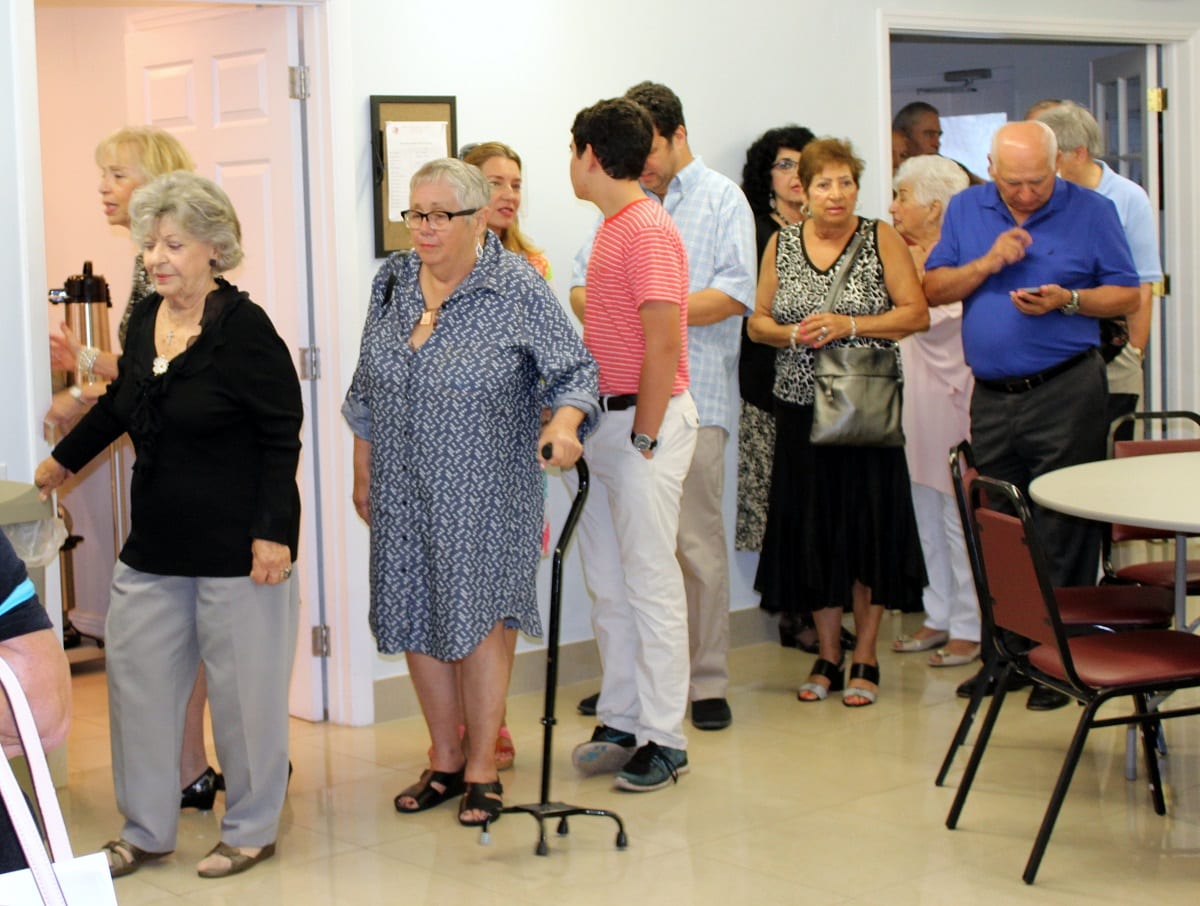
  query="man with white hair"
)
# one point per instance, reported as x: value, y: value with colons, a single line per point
x: 1079, y: 148
x: 1037, y: 261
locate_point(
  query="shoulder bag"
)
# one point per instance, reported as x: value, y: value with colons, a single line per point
x: 857, y: 395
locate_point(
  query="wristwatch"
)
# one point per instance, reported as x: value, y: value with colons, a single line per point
x: 1072, y: 307
x: 643, y: 443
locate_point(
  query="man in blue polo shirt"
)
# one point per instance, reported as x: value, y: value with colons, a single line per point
x: 1037, y: 262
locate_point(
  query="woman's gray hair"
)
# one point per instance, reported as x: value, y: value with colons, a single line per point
x: 470, y: 185
x: 198, y: 205
x: 1074, y: 127
x: 930, y: 178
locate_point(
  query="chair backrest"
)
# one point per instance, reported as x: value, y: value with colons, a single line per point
x: 1172, y: 423
x: 1017, y: 597
x: 1126, y: 448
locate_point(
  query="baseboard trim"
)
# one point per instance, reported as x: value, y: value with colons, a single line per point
x: 577, y: 662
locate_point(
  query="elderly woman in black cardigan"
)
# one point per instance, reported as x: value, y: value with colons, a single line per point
x: 207, y: 391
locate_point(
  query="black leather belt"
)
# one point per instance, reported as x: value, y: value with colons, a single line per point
x: 1022, y: 384
x: 618, y: 403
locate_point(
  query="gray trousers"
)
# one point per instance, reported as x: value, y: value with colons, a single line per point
x: 1019, y: 436
x: 159, y: 628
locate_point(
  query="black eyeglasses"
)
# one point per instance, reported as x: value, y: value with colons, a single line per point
x: 437, y: 220
x: 785, y: 164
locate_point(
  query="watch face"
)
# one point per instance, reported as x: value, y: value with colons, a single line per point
x: 642, y: 442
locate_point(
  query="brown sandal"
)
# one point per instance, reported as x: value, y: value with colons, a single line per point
x: 238, y: 860
x: 124, y: 858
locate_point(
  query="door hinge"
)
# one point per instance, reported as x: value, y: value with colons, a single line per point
x: 1156, y: 100
x: 1161, y: 287
x: 298, y: 83
x: 310, y: 363
x: 320, y: 641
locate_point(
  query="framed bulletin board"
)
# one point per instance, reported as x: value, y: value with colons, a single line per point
x: 405, y: 133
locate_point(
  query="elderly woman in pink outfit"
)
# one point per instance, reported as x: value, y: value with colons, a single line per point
x: 937, y: 397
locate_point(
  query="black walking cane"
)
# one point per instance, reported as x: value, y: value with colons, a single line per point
x: 544, y: 808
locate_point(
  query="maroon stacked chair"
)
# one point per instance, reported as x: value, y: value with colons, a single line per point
x: 1023, y: 616
x: 1083, y: 609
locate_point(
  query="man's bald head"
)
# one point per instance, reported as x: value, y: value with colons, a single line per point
x: 1025, y: 137
x: 1022, y: 163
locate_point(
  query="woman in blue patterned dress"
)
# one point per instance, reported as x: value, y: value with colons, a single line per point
x: 463, y: 346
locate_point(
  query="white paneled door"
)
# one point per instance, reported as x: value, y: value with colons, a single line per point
x: 218, y: 79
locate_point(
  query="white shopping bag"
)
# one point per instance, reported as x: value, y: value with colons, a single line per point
x: 70, y: 880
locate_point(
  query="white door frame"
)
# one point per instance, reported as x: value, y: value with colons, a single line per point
x: 1180, y: 74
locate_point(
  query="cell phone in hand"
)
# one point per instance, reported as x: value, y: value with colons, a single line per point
x: 1030, y: 290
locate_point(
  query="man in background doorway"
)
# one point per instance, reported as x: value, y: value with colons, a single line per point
x: 920, y: 124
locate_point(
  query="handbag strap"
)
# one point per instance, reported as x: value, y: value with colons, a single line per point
x: 843, y: 274
x: 43, y: 787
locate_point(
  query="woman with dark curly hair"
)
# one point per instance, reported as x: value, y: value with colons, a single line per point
x: 771, y: 181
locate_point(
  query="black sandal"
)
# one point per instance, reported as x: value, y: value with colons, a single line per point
x: 868, y: 672
x: 426, y: 795
x: 481, y: 797
x: 831, y: 671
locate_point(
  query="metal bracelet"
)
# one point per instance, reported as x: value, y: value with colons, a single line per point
x: 87, y: 362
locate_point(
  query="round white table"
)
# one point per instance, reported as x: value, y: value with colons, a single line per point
x: 1160, y: 491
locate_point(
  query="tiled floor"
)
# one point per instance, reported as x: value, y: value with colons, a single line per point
x: 795, y: 803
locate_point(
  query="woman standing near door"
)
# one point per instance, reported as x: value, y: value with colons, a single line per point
x: 128, y: 159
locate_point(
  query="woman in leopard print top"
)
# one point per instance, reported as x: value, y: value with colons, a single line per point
x: 840, y: 528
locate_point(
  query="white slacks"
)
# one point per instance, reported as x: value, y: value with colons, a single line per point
x: 627, y: 544
x: 949, y: 599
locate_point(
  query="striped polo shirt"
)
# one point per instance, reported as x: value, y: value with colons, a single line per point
x: 637, y: 257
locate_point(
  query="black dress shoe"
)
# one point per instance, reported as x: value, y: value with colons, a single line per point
x: 967, y: 687
x: 1043, y: 698
x: 587, y: 707
x: 202, y: 792
x: 711, y: 714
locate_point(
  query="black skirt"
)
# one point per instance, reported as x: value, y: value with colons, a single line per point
x: 836, y: 515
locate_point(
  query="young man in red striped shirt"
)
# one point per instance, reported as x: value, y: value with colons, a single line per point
x: 636, y: 327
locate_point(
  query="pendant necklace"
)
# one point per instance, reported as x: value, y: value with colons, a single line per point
x: 161, y: 363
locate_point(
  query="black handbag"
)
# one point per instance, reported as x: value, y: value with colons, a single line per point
x: 857, y: 389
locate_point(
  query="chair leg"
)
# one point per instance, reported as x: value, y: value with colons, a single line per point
x: 1060, y: 791
x: 968, y: 718
x: 981, y: 741
x: 1131, y: 753
x: 1150, y: 731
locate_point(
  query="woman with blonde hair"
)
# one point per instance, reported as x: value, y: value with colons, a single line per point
x: 501, y: 166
